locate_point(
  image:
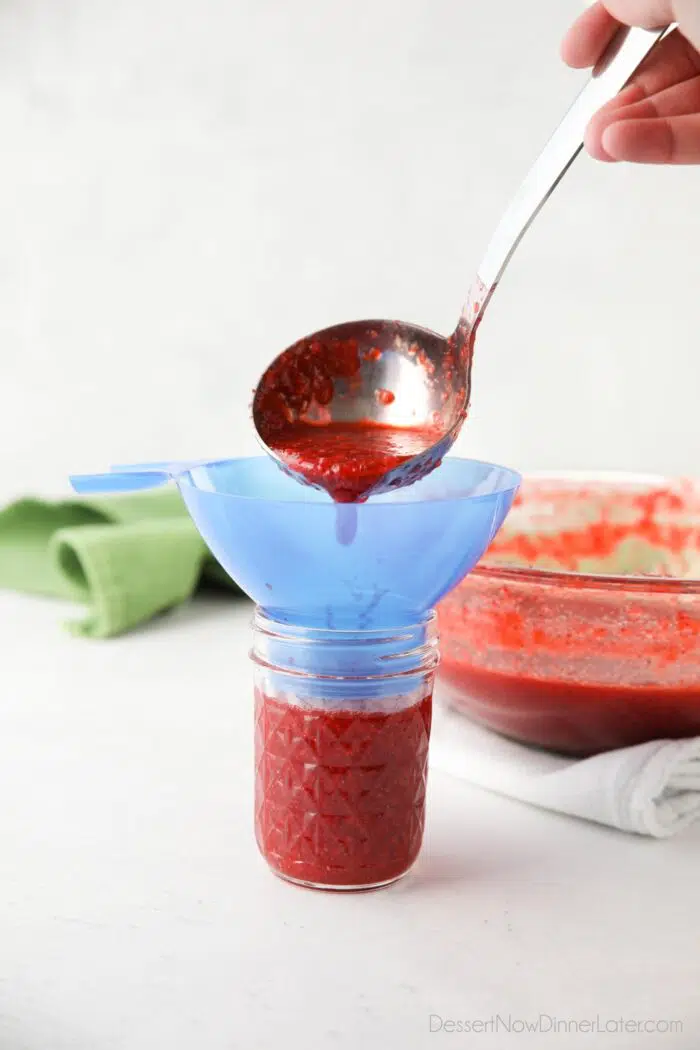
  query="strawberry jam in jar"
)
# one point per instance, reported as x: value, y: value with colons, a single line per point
x: 342, y: 725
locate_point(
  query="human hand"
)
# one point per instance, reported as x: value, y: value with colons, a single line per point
x: 656, y: 118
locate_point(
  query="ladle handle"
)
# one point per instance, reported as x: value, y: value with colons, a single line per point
x: 624, y: 55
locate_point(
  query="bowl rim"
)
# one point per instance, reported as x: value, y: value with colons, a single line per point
x: 507, y: 486
x: 590, y: 580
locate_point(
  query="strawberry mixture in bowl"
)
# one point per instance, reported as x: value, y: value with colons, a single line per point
x: 579, y: 631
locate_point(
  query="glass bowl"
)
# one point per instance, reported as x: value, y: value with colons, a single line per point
x: 579, y: 630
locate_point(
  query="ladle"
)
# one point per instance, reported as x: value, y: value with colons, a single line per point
x: 367, y: 406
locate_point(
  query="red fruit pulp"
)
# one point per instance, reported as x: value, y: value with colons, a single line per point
x: 340, y: 794
x: 348, y: 459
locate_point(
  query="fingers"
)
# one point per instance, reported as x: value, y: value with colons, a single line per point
x: 650, y: 14
x: 673, y: 63
x: 676, y: 101
x: 679, y: 100
x: 593, y: 30
x: 656, y: 119
x: 588, y: 37
x: 609, y: 114
x: 663, y: 140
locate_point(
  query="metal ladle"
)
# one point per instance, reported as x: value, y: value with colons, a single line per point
x: 409, y: 376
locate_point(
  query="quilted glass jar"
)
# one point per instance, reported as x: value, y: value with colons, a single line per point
x: 342, y: 725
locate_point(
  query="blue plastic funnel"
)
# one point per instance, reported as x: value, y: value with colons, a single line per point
x: 306, y: 560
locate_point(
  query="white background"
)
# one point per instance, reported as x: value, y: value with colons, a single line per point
x: 186, y: 186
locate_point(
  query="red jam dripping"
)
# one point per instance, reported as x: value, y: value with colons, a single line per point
x: 348, y: 459
x: 340, y: 794
x: 345, y: 459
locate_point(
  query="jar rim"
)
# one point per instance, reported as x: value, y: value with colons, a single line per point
x: 262, y: 621
x: 329, y: 654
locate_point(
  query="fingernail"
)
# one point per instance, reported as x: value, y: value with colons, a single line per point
x: 594, y: 144
x: 606, y: 142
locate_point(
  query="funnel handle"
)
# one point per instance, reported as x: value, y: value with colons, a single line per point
x: 122, y: 481
x: 132, y: 477
x: 157, y: 467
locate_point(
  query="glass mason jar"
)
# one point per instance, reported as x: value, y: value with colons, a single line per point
x: 342, y: 725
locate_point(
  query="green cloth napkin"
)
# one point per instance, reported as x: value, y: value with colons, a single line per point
x: 127, y: 557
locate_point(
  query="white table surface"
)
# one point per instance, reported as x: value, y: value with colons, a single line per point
x: 136, y: 913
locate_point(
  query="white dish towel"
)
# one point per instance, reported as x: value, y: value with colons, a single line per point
x: 651, y: 789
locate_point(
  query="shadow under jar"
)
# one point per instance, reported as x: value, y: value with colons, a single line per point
x: 342, y: 726
x: 579, y: 631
